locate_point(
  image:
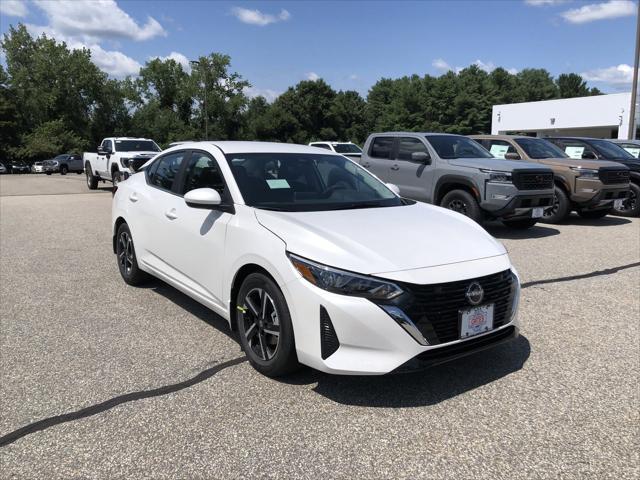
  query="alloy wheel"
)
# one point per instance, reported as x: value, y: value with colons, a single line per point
x: 630, y: 202
x: 458, y: 206
x: 125, y: 253
x: 261, y: 323
x: 550, y: 212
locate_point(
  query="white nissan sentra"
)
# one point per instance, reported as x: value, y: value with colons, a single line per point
x: 312, y: 259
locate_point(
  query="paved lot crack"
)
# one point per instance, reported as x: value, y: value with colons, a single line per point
x: 114, y: 402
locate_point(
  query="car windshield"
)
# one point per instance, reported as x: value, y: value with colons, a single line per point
x: 454, y: 146
x: 307, y: 182
x: 610, y: 149
x: 61, y: 157
x: 347, y: 148
x: 540, y: 148
x: 136, y: 146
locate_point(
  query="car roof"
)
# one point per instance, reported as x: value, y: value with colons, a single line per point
x: 417, y: 133
x: 332, y: 143
x: 504, y: 137
x: 255, y: 147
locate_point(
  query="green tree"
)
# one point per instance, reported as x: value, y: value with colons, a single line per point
x: 573, y: 85
x: 49, y: 139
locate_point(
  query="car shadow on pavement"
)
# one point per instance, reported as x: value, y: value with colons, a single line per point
x: 537, y: 231
x: 608, y: 221
x: 423, y: 388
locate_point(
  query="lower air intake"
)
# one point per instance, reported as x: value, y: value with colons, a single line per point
x: 329, y: 342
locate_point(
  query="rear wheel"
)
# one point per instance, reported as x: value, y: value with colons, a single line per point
x: 127, y: 260
x: 264, y: 326
x: 92, y: 181
x: 592, y: 214
x: 63, y: 170
x: 462, y: 202
x: 631, y: 206
x: 116, y: 178
x: 520, y: 224
x: 561, y: 207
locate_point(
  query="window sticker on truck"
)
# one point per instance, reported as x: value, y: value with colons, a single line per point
x: 633, y: 151
x: 574, y: 152
x: 499, y: 151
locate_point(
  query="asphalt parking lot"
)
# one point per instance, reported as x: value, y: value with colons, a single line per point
x: 102, y: 380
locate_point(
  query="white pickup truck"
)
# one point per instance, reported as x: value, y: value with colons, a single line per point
x: 117, y: 158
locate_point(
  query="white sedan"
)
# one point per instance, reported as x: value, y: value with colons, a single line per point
x: 313, y: 260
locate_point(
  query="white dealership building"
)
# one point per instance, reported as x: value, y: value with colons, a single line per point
x: 601, y: 116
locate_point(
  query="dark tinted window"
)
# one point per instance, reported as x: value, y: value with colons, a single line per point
x: 610, y: 150
x: 499, y: 148
x: 455, y: 146
x: 540, y: 148
x: 203, y: 172
x: 408, y: 145
x: 381, y: 147
x: 575, y: 148
x: 347, y: 148
x: 321, y: 145
x: 165, y: 170
x: 136, y: 146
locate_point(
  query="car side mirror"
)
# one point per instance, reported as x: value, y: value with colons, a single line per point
x: 421, y: 157
x: 589, y: 156
x: 511, y: 156
x: 394, y: 188
x: 206, y: 198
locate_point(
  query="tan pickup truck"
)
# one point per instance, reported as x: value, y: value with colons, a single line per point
x: 590, y: 187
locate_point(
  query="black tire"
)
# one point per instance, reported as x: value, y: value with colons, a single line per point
x: 78, y: 172
x: 270, y: 354
x: 631, y: 206
x: 520, y: 224
x: 116, y: 178
x: 48, y: 173
x: 561, y: 207
x: 594, y: 214
x: 462, y: 202
x: 63, y: 170
x: 92, y: 180
x: 126, y: 258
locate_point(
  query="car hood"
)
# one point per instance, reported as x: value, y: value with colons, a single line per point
x: 494, y: 164
x: 573, y: 162
x: 377, y: 240
x: 138, y: 154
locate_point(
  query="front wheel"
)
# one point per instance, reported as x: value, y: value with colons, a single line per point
x: 264, y: 326
x: 63, y: 170
x: 560, y: 209
x: 462, y: 202
x: 631, y: 206
x: 127, y: 260
x: 92, y: 180
x: 520, y: 224
x: 116, y: 178
x: 594, y: 214
x: 48, y: 173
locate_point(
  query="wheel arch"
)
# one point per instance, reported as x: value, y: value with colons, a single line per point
x: 635, y: 177
x: 563, y: 184
x: 119, y: 221
x: 241, y: 274
x: 449, y: 183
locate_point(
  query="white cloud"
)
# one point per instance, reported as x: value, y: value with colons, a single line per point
x: 267, y: 93
x: 115, y: 64
x: 256, y: 17
x: 600, y: 11
x: 617, y: 75
x: 179, y: 58
x: 353, y: 76
x: 544, y: 3
x: 441, y: 65
x: 13, y: 8
x: 313, y: 76
x: 488, y: 67
x: 94, y: 20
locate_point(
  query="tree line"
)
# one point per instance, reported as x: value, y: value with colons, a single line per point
x: 55, y: 100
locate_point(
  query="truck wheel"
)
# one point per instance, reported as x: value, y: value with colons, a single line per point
x: 92, y: 181
x: 593, y: 214
x: 520, y: 224
x: 127, y: 260
x: 48, y: 173
x: 116, y: 178
x: 631, y: 206
x: 462, y: 202
x: 63, y: 170
x: 561, y: 207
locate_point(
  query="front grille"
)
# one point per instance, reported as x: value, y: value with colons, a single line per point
x: 612, y: 176
x: 435, y: 308
x: 533, y: 180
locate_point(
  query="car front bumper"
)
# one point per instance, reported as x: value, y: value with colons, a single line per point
x: 506, y: 201
x: 598, y: 196
x: 370, y: 341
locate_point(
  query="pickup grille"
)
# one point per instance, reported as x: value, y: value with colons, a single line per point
x: 434, y: 309
x: 612, y: 176
x: 533, y: 180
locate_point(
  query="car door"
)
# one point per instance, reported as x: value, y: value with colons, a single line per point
x: 199, y: 234
x: 75, y: 163
x: 156, y: 205
x: 413, y: 177
x: 380, y: 158
x: 103, y: 160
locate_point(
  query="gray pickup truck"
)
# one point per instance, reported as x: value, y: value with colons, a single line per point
x: 456, y: 173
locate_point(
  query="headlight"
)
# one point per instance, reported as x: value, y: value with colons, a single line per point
x: 344, y: 283
x: 585, y: 172
x: 498, y: 177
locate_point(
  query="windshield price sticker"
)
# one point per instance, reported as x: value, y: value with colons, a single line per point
x: 499, y: 151
x: 275, y: 183
x: 574, y: 152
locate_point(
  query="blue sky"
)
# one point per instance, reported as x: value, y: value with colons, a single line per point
x: 275, y: 44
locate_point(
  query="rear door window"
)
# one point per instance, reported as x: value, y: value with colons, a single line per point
x: 381, y: 147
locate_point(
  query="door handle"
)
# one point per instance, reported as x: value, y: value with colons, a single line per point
x: 133, y: 197
x: 171, y: 214
x: 395, y: 167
